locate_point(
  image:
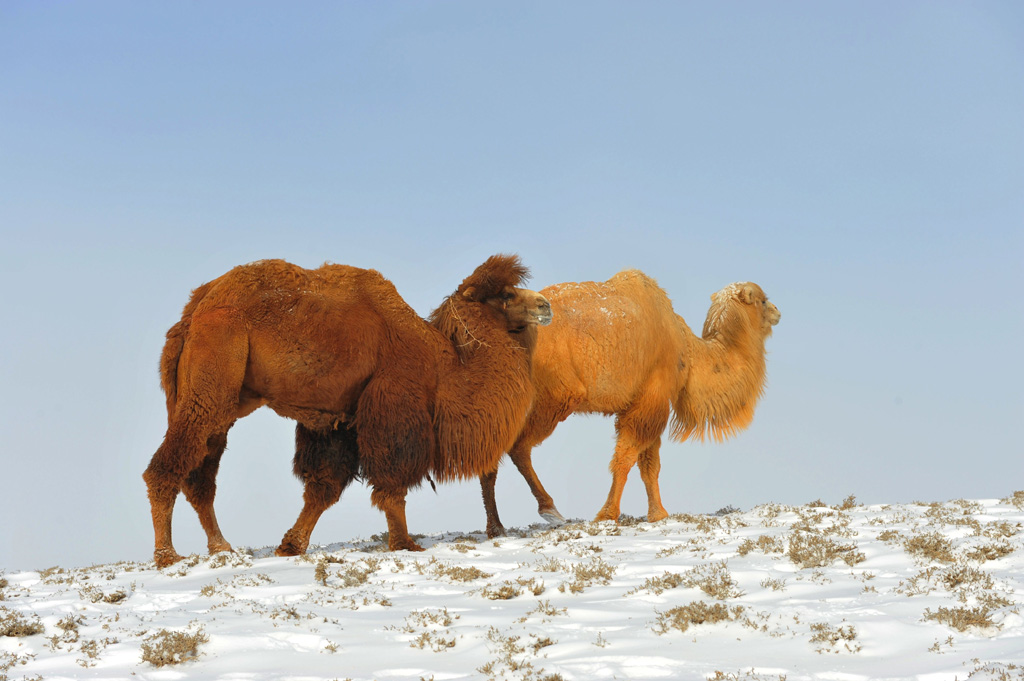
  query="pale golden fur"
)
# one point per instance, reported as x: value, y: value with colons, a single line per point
x: 618, y: 348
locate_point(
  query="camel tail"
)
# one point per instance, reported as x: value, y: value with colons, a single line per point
x: 173, y: 346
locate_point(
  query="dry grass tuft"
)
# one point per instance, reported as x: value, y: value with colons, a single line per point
x: 749, y: 675
x: 993, y: 551
x: 930, y: 546
x: 1015, y: 499
x: 765, y: 544
x: 697, y: 612
x: 511, y: 658
x: 172, y: 647
x: 713, y: 579
x: 658, y: 585
x: 828, y: 638
x: 814, y: 551
x: 962, y: 618
x: 15, y: 625
x: 996, y: 671
x: 847, y: 504
x: 596, y: 571
x: 459, y: 573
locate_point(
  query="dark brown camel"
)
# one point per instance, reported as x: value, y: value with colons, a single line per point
x: 377, y: 391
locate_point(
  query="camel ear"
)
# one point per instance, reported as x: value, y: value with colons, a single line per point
x: 747, y: 294
x: 469, y: 293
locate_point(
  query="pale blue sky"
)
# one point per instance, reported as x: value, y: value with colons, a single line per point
x: 863, y: 162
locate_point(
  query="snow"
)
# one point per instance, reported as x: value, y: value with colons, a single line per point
x: 580, y: 601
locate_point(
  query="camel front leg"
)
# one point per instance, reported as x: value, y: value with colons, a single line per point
x: 326, y: 463
x: 494, y: 526
x: 638, y: 428
x: 626, y: 453
x: 649, y: 464
x: 392, y: 502
x: 200, y: 488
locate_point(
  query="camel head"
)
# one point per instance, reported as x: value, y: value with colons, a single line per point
x: 747, y: 298
x: 496, y: 284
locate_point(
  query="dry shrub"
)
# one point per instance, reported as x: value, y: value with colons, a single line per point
x: 962, y: 618
x: 992, y: 551
x: 813, y: 551
x: 587, y: 574
x: 1000, y: 529
x: 749, y: 675
x: 764, y: 544
x: 506, y: 591
x: 351, y: 574
x: 1016, y: 499
x: 828, y: 637
x: 546, y: 609
x: 713, y: 579
x: 511, y: 659
x: 996, y: 671
x: 931, y: 546
x: 890, y: 536
x: 552, y: 565
x: 658, y: 585
x: 460, y: 574
x: 964, y: 576
x: 708, y: 524
x: 697, y: 612
x: 172, y: 647
x: 773, y: 584
x: 848, y: 503
x: 15, y: 625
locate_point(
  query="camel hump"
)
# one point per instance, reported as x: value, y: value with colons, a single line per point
x: 497, y: 273
x: 631, y: 275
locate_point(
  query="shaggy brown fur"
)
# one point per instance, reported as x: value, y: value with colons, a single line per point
x: 377, y: 391
x: 617, y: 347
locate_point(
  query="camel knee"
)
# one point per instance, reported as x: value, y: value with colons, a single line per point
x: 387, y: 499
x: 321, y: 493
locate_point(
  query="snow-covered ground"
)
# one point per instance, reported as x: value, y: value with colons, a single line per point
x: 843, y: 592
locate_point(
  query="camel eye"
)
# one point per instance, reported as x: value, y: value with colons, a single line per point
x: 507, y: 296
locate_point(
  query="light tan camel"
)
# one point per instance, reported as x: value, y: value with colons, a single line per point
x: 617, y: 347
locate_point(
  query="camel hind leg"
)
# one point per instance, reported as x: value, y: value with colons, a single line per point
x: 180, y: 453
x: 521, y: 457
x: 326, y: 463
x: 649, y: 464
x: 210, y: 372
x: 542, y: 421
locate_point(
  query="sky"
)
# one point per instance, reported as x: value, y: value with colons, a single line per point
x: 863, y: 163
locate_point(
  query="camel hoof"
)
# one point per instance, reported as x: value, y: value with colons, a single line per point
x: 166, y: 557
x: 494, y: 532
x: 407, y: 545
x: 219, y: 548
x: 553, y: 517
x: 656, y: 515
x: 284, y: 551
